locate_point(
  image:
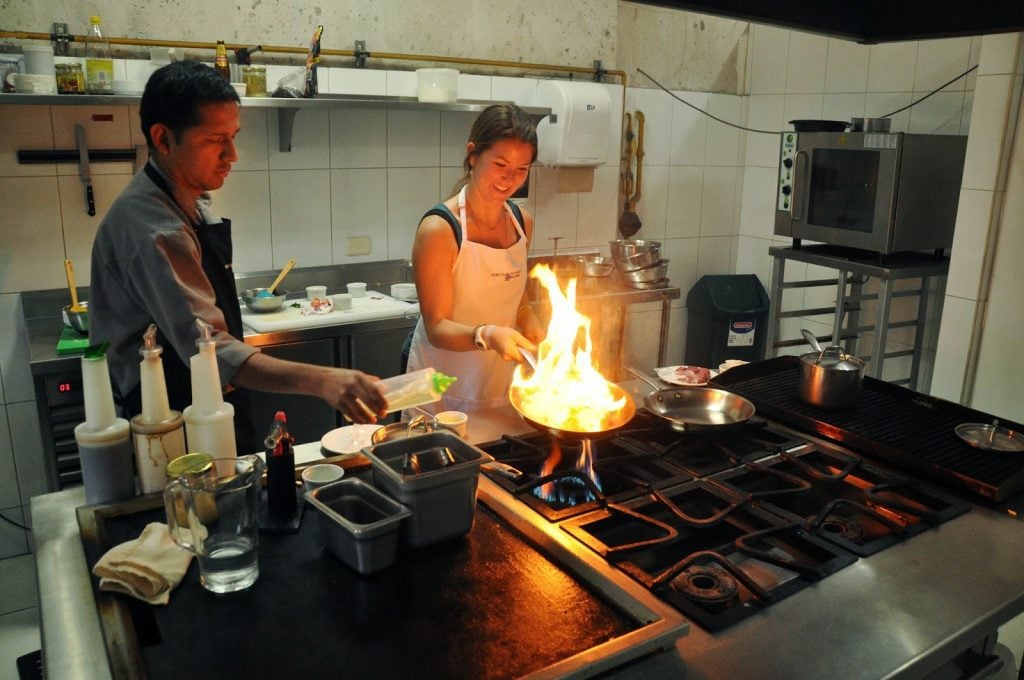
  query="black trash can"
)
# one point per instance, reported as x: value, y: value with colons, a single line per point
x: 727, y: 319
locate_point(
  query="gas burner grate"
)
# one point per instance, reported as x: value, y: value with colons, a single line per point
x: 892, y: 423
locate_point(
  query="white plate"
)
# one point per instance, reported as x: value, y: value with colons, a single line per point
x: 668, y: 374
x: 348, y: 439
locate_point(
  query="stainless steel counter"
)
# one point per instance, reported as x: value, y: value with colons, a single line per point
x: 900, y: 613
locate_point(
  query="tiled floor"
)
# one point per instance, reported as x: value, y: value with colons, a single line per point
x: 19, y: 612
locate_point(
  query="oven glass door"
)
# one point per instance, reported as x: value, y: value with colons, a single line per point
x: 843, y: 189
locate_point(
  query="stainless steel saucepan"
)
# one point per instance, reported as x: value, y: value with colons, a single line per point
x: 694, y: 408
x: 829, y: 377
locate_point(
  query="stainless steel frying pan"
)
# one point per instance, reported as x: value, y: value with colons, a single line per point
x: 613, y: 424
x: 691, y: 408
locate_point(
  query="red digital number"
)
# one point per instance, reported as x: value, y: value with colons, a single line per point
x: 64, y: 387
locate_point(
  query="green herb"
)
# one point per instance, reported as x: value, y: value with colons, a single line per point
x: 296, y: 305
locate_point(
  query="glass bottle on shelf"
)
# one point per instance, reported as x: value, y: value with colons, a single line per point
x: 99, y: 66
x: 220, y: 61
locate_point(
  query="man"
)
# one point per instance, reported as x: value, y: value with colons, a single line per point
x: 160, y: 256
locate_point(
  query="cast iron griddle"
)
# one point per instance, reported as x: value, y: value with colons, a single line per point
x: 486, y: 605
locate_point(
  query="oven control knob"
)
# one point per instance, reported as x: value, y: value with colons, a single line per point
x: 786, y: 190
x: 788, y: 162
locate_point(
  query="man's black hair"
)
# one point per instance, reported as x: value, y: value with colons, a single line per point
x: 175, y: 92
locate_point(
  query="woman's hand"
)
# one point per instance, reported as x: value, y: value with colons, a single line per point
x: 506, y: 342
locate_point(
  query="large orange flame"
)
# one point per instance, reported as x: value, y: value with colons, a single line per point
x: 566, y: 391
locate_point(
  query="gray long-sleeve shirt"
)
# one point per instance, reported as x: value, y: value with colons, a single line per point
x: 147, y: 268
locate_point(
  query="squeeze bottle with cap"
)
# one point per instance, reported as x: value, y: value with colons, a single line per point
x: 420, y: 387
x: 158, y: 431
x: 104, y: 440
x: 209, y: 420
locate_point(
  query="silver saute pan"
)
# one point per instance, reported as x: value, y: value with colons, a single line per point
x: 693, y: 408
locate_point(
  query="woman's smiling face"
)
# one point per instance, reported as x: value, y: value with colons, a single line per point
x: 501, y: 169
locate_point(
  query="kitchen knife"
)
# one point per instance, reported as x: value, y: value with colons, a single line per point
x: 83, y: 167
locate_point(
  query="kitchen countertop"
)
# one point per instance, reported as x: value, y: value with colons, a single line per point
x: 897, y: 614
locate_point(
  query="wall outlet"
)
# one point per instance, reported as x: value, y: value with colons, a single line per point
x: 357, y: 245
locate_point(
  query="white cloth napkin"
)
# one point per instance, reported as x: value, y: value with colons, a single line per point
x: 148, y: 567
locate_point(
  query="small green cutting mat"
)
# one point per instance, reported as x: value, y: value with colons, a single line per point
x: 71, y: 342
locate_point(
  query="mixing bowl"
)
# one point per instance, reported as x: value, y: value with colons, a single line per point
x: 257, y: 303
x: 594, y: 265
x: 649, y: 274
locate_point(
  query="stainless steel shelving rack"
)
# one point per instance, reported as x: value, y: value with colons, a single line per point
x: 854, y: 269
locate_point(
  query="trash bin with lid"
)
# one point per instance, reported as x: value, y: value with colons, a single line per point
x: 727, y: 319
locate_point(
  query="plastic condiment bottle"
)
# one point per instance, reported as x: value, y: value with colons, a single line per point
x: 209, y: 420
x: 424, y: 386
x: 99, y: 67
x: 158, y: 432
x: 104, y: 440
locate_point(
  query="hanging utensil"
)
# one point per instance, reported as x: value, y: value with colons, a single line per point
x: 639, y: 163
x: 629, y: 223
x: 280, y: 277
x: 84, y: 171
x: 69, y: 271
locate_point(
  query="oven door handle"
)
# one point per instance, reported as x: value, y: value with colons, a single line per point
x: 797, y: 216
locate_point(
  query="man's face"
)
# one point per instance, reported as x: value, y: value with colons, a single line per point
x: 201, y: 157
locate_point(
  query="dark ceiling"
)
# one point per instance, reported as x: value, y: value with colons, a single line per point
x: 869, y: 21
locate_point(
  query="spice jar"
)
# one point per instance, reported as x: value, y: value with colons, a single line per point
x: 200, y: 474
x: 255, y: 79
x: 70, y: 78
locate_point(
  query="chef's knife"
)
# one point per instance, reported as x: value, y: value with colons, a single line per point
x: 83, y: 167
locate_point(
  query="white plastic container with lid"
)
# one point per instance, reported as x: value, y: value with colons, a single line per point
x: 159, y: 431
x: 437, y: 84
x: 209, y: 420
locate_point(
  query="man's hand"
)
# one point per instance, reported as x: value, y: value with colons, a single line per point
x: 355, y: 394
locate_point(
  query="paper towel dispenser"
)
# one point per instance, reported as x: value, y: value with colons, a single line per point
x: 579, y: 134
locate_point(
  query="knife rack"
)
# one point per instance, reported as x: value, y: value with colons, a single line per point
x: 71, y: 155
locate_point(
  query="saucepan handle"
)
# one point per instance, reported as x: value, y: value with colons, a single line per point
x: 643, y: 376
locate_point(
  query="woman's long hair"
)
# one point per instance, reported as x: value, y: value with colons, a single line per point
x: 496, y: 123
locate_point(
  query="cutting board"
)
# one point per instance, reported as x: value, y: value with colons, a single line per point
x: 373, y: 307
x: 71, y: 342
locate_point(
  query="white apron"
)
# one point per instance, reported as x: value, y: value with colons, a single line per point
x: 489, y: 284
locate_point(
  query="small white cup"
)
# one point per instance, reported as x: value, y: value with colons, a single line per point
x: 316, y: 292
x: 456, y: 421
x: 240, y: 88
x: 357, y: 289
x: 342, y: 301
x: 319, y: 475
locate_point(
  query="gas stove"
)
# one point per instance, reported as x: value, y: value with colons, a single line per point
x: 721, y: 523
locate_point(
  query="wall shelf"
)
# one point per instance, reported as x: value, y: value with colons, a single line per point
x: 287, y: 108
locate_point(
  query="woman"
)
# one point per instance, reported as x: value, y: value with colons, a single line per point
x: 469, y: 262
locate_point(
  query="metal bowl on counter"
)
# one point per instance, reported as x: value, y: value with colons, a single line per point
x: 632, y: 255
x: 263, y: 303
x: 648, y: 274
x: 594, y: 265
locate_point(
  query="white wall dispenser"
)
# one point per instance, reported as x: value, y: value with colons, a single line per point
x: 579, y: 134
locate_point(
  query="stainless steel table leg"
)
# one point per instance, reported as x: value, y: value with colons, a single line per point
x: 919, y: 333
x: 837, y: 321
x: 881, y: 327
x: 666, y: 310
x: 775, y: 306
x: 853, y: 315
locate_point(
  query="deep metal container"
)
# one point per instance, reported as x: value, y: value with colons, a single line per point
x: 442, y: 499
x: 830, y: 379
x: 360, y: 525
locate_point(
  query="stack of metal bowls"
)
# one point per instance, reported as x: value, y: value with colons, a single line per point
x: 639, y: 263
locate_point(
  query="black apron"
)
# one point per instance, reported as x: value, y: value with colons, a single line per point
x: 215, y: 244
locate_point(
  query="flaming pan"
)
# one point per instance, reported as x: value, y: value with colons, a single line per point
x: 613, y: 424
